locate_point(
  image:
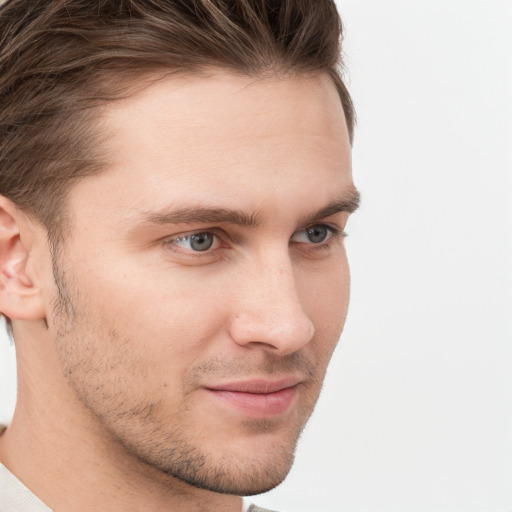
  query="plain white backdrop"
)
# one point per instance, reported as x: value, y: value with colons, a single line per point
x: 416, y: 413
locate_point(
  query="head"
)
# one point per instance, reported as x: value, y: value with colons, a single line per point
x: 176, y: 183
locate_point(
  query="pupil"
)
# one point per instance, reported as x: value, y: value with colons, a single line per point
x: 201, y: 241
x: 317, y: 234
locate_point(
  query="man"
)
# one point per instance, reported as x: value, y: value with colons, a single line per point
x: 176, y: 181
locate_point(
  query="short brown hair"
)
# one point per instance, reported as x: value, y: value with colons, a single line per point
x: 61, y: 58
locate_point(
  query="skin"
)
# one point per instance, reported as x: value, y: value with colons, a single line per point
x: 119, y: 347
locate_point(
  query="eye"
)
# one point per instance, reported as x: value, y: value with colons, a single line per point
x: 314, y: 234
x: 197, y: 242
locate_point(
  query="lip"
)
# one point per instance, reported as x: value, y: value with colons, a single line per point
x: 258, y: 398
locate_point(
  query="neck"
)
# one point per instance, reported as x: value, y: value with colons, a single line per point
x: 61, y: 452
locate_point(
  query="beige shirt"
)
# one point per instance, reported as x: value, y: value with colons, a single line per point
x: 16, y: 497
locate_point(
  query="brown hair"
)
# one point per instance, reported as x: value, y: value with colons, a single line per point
x: 61, y: 58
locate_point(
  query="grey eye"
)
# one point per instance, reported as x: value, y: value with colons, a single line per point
x: 313, y: 235
x: 201, y: 241
x: 197, y: 242
x: 317, y: 234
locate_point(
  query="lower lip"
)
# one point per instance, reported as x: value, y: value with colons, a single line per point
x: 258, y: 405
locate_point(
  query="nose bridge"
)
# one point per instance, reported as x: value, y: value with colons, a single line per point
x: 270, y: 310
x: 275, y: 274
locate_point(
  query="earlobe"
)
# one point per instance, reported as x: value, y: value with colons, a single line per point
x: 20, y: 299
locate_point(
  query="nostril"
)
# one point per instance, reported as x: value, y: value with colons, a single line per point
x: 266, y: 346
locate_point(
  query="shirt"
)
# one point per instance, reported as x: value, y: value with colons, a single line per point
x: 16, y: 497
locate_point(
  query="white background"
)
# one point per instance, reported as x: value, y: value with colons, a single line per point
x: 416, y: 414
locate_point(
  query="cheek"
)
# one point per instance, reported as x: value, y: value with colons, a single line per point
x: 325, y: 297
x: 163, y: 307
x: 134, y: 336
x: 325, y: 294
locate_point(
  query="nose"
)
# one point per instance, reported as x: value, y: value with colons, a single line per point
x: 268, y: 310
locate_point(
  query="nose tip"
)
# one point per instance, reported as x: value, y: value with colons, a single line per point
x: 273, y: 332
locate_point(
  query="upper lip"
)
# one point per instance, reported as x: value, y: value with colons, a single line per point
x: 259, y: 386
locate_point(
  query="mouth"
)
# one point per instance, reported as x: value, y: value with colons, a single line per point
x: 260, y: 399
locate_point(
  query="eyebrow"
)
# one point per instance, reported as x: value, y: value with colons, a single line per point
x: 205, y: 215
x: 349, y: 203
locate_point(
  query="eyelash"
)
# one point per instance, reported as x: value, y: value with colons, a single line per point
x: 335, y: 234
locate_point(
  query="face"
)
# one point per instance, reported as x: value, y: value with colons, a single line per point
x: 205, y: 284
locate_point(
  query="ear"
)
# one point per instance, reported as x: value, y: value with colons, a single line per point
x: 19, y: 298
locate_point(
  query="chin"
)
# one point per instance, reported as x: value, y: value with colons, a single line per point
x: 241, y: 469
x: 240, y: 478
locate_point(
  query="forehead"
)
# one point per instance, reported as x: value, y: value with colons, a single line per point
x: 191, y: 97
x: 223, y: 138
